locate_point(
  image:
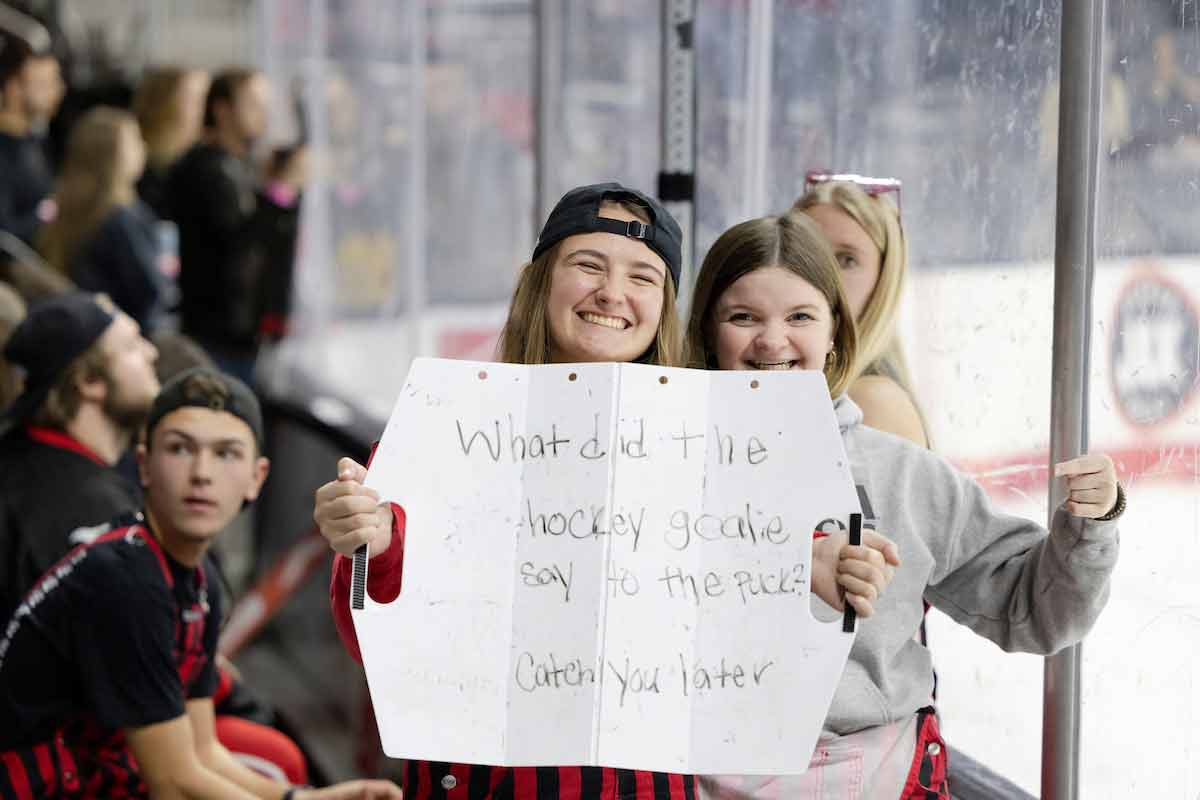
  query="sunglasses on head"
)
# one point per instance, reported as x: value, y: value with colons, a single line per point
x: 872, y: 186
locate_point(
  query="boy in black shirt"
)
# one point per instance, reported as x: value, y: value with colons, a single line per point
x: 106, y: 668
x: 89, y: 382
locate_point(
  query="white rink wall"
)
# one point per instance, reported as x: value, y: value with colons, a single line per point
x: 981, y: 357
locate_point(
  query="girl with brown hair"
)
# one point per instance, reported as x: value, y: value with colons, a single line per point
x: 770, y: 296
x: 600, y: 286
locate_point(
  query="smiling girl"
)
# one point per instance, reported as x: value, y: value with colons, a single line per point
x: 769, y: 296
x: 600, y: 287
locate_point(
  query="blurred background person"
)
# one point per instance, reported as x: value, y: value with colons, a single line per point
x: 31, y: 89
x: 1166, y: 109
x: 91, y: 377
x: 1117, y: 124
x: 104, y: 238
x: 237, y: 234
x: 89, y: 382
x: 169, y: 106
x: 12, y: 311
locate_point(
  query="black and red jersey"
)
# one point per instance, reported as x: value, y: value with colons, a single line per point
x: 116, y: 635
x: 426, y: 779
x: 54, y: 494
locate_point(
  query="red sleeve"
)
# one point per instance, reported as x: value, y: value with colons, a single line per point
x: 224, y: 685
x: 383, y: 582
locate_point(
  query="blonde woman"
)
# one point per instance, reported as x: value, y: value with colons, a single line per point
x: 103, y: 238
x: 863, y: 226
x: 169, y: 106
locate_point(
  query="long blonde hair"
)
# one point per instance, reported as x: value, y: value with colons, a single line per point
x: 525, y: 338
x: 157, y: 104
x: 879, y: 349
x: 792, y: 242
x: 89, y: 186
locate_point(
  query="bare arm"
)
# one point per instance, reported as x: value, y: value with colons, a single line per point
x: 171, y: 768
x: 217, y: 759
x: 887, y: 407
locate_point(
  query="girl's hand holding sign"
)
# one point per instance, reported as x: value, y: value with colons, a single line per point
x: 349, y: 514
x: 858, y: 575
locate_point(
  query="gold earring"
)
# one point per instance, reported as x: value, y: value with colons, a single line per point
x: 831, y: 357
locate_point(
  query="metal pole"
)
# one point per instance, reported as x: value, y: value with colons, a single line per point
x: 416, y: 251
x: 313, y: 288
x: 677, y: 175
x: 760, y: 58
x: 548, y: 97
x: 1080, y: 94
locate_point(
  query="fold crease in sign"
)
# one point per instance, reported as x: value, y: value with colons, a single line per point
x: 607, y: 564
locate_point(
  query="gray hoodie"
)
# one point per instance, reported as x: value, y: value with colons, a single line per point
x: 1000, y: 575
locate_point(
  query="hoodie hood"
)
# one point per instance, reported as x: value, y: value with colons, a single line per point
x: 848, y: 414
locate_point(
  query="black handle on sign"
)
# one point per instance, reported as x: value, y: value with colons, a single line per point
x: 849, y: 615
x: 358, y: 579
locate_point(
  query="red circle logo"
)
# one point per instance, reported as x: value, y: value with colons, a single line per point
x: 1155, y: 363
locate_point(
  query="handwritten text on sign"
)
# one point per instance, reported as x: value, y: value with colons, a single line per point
x: 607, y: 564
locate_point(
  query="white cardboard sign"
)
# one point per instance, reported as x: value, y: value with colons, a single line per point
x: 607, y: 564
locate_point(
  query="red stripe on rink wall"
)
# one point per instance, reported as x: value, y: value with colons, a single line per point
x: 262, y: 602
x: 1173, y: 463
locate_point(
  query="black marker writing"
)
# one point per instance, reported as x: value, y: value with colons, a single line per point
x: 686, y: 528
x: 552, y: 575
x: 720, y: 676
x: 579, y: 523
x: 521, y: 446
x: 635, y: 679
x: 532, y: 674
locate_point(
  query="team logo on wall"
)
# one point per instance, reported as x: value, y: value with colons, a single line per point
x: 1155, y: 361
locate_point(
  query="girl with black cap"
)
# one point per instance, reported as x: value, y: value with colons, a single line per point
x: 601, y: 286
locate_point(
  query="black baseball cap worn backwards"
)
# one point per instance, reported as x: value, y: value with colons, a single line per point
x: 56, y: 331
x: 579, y: 212
x: 195, y: 387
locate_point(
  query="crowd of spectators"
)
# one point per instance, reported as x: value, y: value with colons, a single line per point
x: 165, y: 206
x: 156, y: 232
